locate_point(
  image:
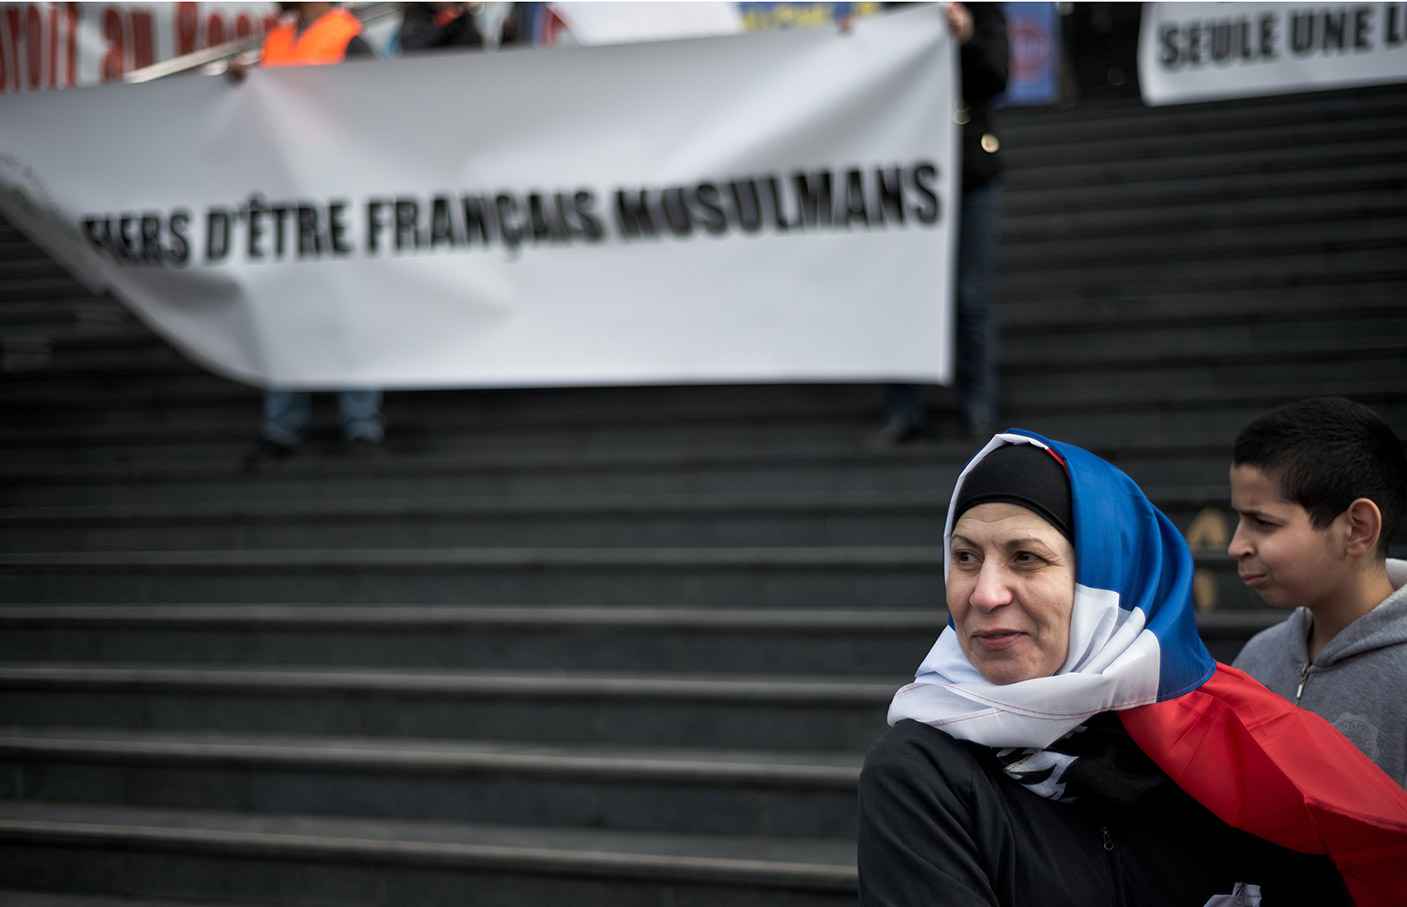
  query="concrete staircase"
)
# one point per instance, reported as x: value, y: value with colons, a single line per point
x: 625, y: 645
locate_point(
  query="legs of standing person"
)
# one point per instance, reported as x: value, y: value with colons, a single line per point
x: 287, y: 413
x: 361, y: 416
x: 281, y: 431
x: 904, y: 414
x: 286, y: 416
x: 975, y: 330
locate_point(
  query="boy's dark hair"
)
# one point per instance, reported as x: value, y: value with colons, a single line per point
x: 1326, y: 452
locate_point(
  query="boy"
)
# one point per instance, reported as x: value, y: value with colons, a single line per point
x: 1318, y: 487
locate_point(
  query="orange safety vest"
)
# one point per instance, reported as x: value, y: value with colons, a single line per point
x: 325, y: 41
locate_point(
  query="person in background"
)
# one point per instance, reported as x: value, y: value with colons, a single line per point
x: 430, y: 25
x: 315, y: 34
x: 1318, y: 487
x: 984, y: 63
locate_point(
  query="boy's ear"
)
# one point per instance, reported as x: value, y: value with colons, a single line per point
x: 1365, y: 522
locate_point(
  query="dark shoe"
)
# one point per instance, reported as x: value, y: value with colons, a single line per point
x: 363, y: 450
x: 980, y: 430
x: 893, y: 433
x: 266, y: 453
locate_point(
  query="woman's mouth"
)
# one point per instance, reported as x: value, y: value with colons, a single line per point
x: 1253, y: 579
x: 995, y: 640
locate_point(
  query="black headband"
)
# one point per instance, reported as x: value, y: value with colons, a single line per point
x: 1021, y: 474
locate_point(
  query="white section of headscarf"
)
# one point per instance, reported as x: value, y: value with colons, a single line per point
x: 1112, y: 663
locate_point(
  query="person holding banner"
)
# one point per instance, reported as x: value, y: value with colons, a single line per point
x: 317, y: 34
x: 984, y: 65
x: 1069, y: 739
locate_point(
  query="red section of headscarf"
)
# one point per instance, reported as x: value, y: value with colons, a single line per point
x: 1281, y: 772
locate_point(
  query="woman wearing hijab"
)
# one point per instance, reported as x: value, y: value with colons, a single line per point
x: 1069, y: 740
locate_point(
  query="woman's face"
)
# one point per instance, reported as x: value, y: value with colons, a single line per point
x: 1011, y: 590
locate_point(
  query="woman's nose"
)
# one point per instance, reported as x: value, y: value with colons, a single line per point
x: 992, y: 589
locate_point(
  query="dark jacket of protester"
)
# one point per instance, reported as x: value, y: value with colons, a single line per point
x: 984, y: 64
x: 942, y: 823
x: 430, y: 25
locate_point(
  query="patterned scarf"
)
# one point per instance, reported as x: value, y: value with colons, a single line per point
x: 1096, y: 761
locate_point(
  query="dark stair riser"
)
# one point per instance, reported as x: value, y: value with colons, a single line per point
x: 479, y: 525
x: 910, y: 578
x: 484, y: 795
x: 316, y: 477
x: 744, y: 649
x: 478, y: 529
x: 909, y: 584
x: 271, y: 875
x: 813, y: 723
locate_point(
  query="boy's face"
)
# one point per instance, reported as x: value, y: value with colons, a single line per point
x: 1278, y: 551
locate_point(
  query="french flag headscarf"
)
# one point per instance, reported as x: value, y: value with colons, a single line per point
x: 1133, y: 633
x: 1258, y: 762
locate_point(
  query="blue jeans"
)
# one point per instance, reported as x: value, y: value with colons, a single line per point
x: 286, y: 414
x: 975, y: 333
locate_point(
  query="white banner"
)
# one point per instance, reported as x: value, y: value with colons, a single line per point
x: 1205, y: 51
x: 771, y: 206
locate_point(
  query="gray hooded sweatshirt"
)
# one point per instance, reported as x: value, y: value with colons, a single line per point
x: 1358, y: 683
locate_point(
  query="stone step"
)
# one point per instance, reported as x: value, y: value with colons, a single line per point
x: 503, y: 475
x: 1313, y: 305
x: 1204, y: 240
x: 773, y: 577
x: 56, y: 320
x: 763, y: 577
x: 213, y: 438
x: 1136, y: 351
x: 660, y: 521
x: 25, y: 267
x: 1327, y: 215
x: 731, y: 792
x: 303, y: 861
x: 36, y: 408
x: 479, y: 405
x: 1209, y: 161
x: 511, y: 637
x: 1154, y: 139
x: 1196, y: 457
x: 12, y: 897
x: 1032, y: 194
x: 725, y: 711
x: 25, y: 289
x: 866, y: 642
x: 1120, y: 280
x: 1113, y: 122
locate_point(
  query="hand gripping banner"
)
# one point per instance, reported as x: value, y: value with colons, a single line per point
x: 763, y: 207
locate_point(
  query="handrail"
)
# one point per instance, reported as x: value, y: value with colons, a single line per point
x: 367, y: 13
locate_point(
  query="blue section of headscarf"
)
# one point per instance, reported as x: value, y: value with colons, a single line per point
x: 1124, y: 543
